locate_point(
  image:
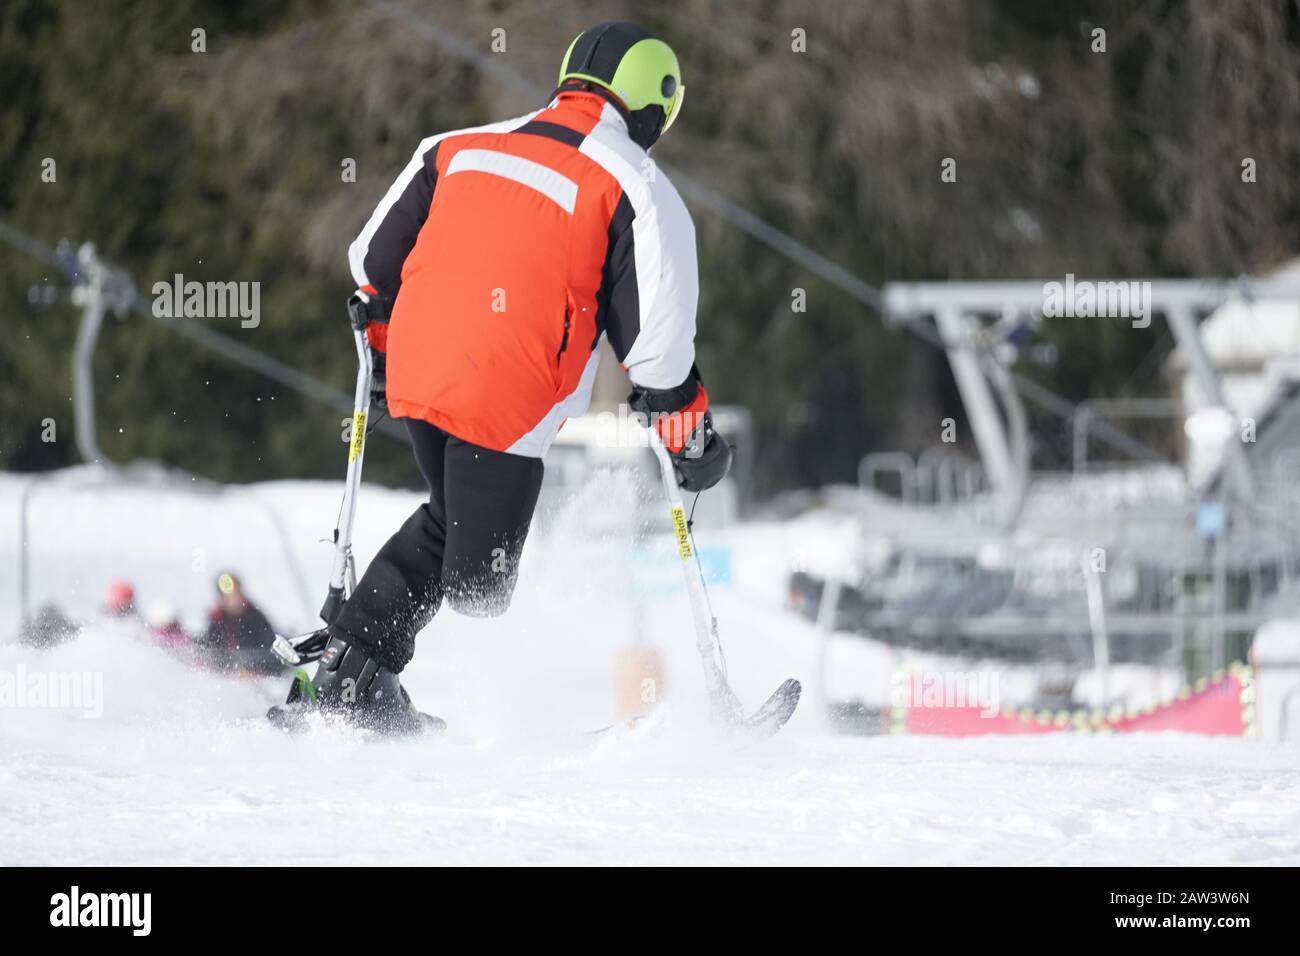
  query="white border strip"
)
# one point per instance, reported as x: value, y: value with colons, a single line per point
x: 559, y: 189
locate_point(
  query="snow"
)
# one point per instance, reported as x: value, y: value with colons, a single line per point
x: 179, y: 766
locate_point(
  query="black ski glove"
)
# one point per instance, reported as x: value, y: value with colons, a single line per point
x: 704, y: 460
x: 705, y: 457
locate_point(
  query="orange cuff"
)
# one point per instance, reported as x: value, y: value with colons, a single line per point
x: 675, y: 429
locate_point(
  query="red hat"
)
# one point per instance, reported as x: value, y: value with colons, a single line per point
x: 120, y: 597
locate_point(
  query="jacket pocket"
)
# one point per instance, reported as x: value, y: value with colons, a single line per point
x: 564, y: 337
x: 566, y: 332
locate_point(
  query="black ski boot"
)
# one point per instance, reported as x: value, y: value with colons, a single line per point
x: 352, y: 684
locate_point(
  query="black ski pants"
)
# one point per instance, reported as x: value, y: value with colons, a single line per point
x: 464, y: 545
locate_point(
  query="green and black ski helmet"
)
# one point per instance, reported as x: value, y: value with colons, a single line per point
x: 634, y: 65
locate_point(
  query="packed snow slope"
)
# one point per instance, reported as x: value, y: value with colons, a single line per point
x: 176, y: 765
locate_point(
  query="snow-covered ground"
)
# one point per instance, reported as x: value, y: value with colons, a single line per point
x: 175, y: 765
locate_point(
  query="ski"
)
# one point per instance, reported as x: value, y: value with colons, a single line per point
x: 622, y: 726
x: 776, y: 711
x: 774, y: 714
x: 294, y: 719
x: 291, y: 716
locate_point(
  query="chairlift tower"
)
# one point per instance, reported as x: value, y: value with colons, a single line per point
x: 97, y: 289
x: 981, y: 370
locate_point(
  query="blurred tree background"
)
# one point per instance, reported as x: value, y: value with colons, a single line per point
x: 226, y: 165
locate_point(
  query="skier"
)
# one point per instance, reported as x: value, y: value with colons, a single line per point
x: 239, y: 636
x: 489, y: 273
x: 119, y: 600
x: 165, y: 626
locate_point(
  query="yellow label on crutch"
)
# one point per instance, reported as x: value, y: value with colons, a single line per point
x: 358, y: 436
x: 683, y: 531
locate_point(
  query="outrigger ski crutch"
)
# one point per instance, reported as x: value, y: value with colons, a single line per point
x: 343, y: 574
x: 724, y: 706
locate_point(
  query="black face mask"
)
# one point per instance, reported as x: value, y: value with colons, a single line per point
x: 645, y: 125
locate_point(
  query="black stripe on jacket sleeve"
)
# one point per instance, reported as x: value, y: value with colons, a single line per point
x: 393, y: 240
x: 618, y: 303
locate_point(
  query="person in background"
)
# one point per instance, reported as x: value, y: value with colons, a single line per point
x: 119, y: 601
x: 165, y: 626
x: 240, y: 636
x: 49, y: 627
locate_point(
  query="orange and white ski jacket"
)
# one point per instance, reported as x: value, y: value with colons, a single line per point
x: 508, y: 252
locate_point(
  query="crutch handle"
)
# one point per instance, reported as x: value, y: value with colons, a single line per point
x: 333, y: 605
